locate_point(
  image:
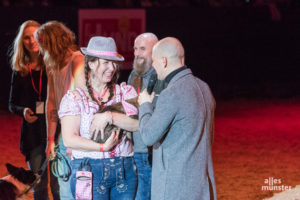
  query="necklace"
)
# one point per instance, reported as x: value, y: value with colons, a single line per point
x: 99, y: 97
x: 34, y: 66
x: 40, y: 83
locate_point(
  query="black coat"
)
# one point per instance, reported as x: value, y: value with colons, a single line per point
x: 23, y: 95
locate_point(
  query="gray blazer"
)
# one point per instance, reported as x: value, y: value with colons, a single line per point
x: 181, y: 129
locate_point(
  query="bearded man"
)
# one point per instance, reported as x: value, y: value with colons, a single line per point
x: 143, y: 75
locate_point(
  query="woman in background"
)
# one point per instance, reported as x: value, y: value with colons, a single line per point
x: 27, y: 98
x: 64, y: 65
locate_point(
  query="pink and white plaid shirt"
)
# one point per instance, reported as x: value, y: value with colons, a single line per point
x: 70, y: 105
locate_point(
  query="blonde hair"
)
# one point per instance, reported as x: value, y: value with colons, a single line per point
x: 19, y: 56
x: 57, y: 42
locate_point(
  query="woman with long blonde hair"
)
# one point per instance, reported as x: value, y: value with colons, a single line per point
x: 27, y: 96
x: 25, y: 51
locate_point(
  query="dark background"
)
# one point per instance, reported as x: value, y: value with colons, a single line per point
x: 239, y: 51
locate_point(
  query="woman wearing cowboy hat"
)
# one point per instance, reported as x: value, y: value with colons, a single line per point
x: 111, y: 163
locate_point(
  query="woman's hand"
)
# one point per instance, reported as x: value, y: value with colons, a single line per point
x: 51, y: 149
x: 29, y: 115
x: 112, y: 141
x: 99, y: 122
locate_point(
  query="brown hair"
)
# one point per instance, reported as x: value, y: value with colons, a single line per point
x: 110, y: 85
x: 57, y: 41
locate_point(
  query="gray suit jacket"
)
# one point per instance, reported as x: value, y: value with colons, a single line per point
x: 181, y: 129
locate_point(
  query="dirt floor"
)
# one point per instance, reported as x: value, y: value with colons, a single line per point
x: 255, y: 141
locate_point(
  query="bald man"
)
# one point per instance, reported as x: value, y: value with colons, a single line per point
x: 180, y: 128
x: 144, y: 74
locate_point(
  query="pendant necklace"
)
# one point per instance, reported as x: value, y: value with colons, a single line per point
x: 99, y: 97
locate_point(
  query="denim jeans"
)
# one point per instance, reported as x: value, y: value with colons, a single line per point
x: 144, y: 172
x: 64, y: 186
x: 113, y: 178
x: 36, y: 159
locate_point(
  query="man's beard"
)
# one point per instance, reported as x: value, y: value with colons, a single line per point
x: 141, y: 68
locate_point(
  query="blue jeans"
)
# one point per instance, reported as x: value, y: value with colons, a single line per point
x: 144, y: 172
x: 64, y: 186
x: 113, y: 178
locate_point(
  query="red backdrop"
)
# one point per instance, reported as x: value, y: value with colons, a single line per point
x: 122, y: 25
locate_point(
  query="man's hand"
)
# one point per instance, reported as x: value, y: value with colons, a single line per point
x: 145, y: 97
x: 29, y: 115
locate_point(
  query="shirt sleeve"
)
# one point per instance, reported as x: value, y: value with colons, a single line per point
x: 154, y: 124
x: 69, y: 105
x: 14, y: 95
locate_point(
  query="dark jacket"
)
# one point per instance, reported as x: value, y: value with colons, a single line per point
x: 22, y: 95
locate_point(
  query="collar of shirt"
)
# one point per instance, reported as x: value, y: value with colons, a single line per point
x: 173, y: 73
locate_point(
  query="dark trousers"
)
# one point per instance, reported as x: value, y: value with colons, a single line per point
x: 40, y: 191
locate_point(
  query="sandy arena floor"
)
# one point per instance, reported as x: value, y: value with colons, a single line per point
x: 255, y: 141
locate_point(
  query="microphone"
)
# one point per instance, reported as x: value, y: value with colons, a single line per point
x: 151, y: 84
